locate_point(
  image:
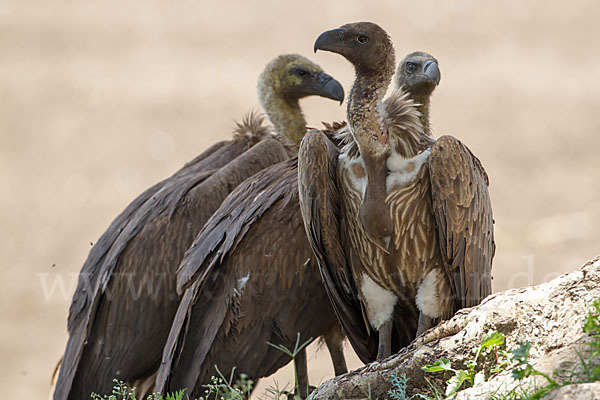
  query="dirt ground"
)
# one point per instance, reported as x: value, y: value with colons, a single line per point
x: 99, y: 100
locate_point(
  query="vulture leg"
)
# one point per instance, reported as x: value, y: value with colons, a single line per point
x: 385, y: 340
x: 300, y: 363
x: 334, y: 340
x: 425, y: 323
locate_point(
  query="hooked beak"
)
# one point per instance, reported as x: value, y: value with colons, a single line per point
x: 330, y: 40
x: 431, y: 70
x: 329, y: 87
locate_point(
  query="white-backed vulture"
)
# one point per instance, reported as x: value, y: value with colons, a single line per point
x: 257, y: 237
x: 401, y: 223
x: 126, y: 299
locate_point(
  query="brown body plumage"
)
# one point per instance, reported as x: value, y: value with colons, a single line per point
x: 250, y: 280
x: 416, y: 233
x: 126, y: 299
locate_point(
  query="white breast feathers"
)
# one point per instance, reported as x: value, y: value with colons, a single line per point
x: 404, y: 170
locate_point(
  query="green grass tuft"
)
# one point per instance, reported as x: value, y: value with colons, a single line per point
x: 122, y: 392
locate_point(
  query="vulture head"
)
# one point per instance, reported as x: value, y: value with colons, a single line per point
x: 284, y: 81
x: 419, y: 74
x: 365, y: 44
x: 291, y: 77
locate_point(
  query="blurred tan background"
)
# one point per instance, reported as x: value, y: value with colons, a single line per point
x: 101, y: 99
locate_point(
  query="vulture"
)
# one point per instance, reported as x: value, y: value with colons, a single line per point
x: 419, y: 74
x: 401, y: 224
x: 126, y: 299
x: 250, y: 277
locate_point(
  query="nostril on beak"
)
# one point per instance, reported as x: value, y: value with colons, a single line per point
x: 431, y: 69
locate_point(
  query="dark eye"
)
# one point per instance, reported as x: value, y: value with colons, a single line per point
x: 362, y: 39
x: 411, y: 67
x: 300, y: 72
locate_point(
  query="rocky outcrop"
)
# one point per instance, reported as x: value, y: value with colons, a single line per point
x: 584, y: 391
x: 550, y: 316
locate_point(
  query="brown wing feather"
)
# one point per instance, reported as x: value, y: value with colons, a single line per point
x: 320, y: 206
x: 256, y: 237
x: 461, y: 204
x: 90, y: 311
x: 227, y: 226
x: 104, y: 320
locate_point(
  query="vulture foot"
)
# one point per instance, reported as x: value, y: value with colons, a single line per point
x: 425, y: 323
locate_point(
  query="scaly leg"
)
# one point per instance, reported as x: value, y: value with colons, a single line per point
x: 334, y: 339
x: 425, y: 323
x: 385, y: 340
x: 302, y: 371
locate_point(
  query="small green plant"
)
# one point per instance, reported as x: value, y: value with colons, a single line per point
x: 491, y: 343
x: 119, y: 392
x: 274, y: 392
x: 122, y: 392
x: 398, y: 391
x: 178, y: 395
x: 222, y: 388
x: 588, y: 369
x: 524, y: 370
x: 591, y: 326
x: 293, y: 354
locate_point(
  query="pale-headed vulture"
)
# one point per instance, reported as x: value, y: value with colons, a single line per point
x: 126, y: 297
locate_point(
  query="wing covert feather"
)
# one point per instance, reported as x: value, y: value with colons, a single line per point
x: 463, y: 212
x: 256, y: 237
x: 225, y: 224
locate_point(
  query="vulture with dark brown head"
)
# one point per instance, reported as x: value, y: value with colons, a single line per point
x: 401, y: 223
x: 126, y: 298
x: 250, y: 278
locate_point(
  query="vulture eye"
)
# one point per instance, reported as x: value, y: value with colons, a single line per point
x: 411, y: 67
x: 300, y: 72
x: 362, y: 39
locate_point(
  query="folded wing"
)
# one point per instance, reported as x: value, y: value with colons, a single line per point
x: 463, y: 213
